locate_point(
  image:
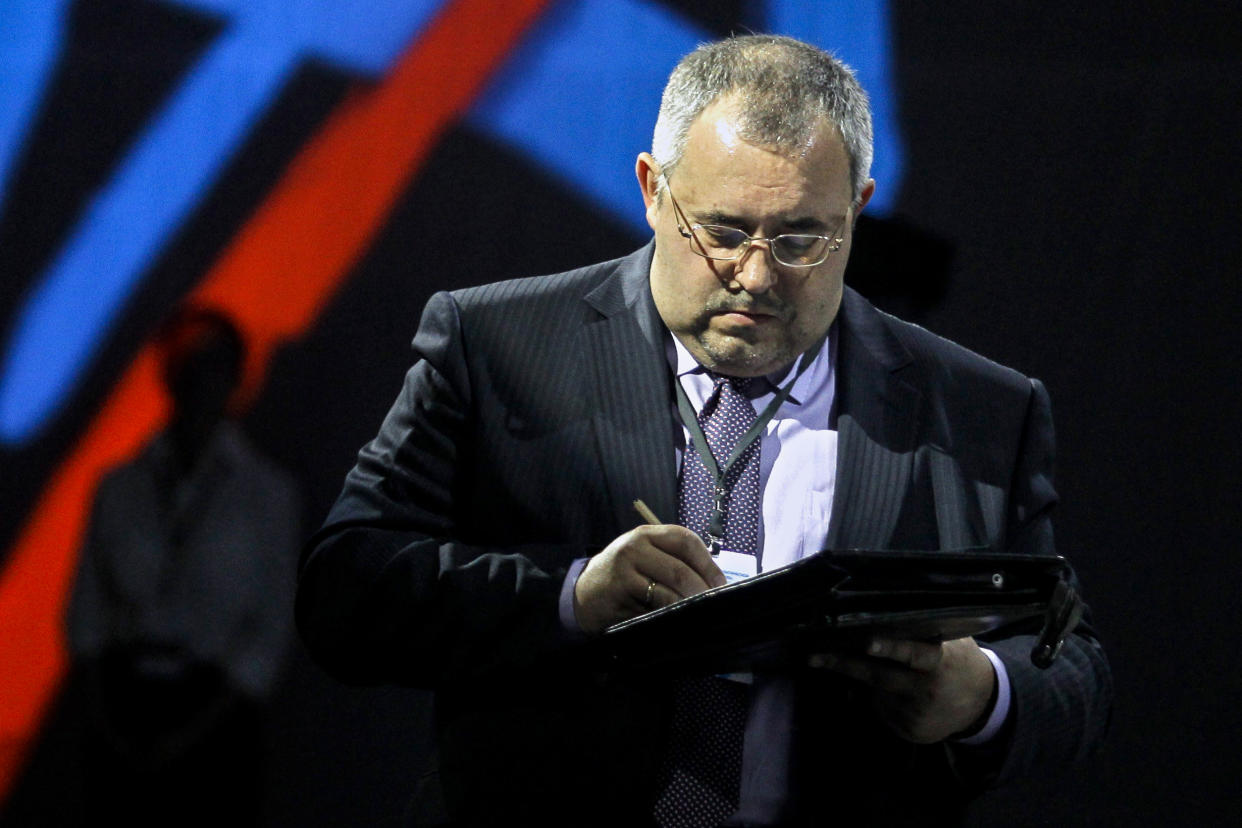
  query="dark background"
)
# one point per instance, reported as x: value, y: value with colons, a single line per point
x: 1069, y: 208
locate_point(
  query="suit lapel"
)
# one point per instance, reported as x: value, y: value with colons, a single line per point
x: 632, y: 393
x: 877, y: 415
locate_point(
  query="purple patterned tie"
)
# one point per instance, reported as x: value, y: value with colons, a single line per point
x: 703, y: 764
x: 725, y: 417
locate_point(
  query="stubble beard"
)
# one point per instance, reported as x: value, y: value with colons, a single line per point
x: 733, y: 355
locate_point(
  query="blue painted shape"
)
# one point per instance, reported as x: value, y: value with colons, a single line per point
x: 580, y: 97
x: 171, y: 166
x: 363, y: 36
x: 581, y: 94
x: 858, y: 32
x: 31, y: 36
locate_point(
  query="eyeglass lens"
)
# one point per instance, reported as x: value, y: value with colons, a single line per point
x: 721, y: 242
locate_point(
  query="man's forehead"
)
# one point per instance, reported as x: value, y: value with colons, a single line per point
x: 718, y: 154
x: 730, y: 123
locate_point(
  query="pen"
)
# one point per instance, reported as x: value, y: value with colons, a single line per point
x: 644, y: 511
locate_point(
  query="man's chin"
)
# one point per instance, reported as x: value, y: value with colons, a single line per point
x: 736, y: 357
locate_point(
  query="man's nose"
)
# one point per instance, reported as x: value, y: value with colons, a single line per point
x: 755, y: 270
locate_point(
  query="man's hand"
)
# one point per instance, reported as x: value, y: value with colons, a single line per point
x: 925, y: 692
x: 616, y: 583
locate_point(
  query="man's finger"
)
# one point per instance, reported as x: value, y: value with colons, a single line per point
x: 687, y: 547
x: 646, y: 593
x: 672, y: 573
x: 662, y: 596
x: 917, y: 655
x: 872, y: 672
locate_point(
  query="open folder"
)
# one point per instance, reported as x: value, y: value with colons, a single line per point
x: 835, y: 598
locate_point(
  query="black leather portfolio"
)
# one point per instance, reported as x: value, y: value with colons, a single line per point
x: 835, y: 599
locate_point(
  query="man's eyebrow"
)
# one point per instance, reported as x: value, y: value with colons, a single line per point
x: 805, y: 223
x: 802, y: 224
x: 718, y: 217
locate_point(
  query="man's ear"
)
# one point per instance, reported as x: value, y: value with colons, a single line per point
x: 647, y: 171
x: 868, y: 191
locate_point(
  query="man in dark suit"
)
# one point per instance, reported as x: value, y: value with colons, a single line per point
x: 486, y: 535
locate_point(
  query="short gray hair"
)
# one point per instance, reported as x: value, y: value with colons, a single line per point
x: 785, y: 87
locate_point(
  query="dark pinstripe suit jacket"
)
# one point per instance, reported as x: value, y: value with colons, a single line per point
x: 537, y: 410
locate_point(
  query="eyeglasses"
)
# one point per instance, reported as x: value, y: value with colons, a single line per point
x: 724, y: 243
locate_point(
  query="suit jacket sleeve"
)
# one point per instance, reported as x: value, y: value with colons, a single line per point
x: 1060, y: 714
x: 412, y: 579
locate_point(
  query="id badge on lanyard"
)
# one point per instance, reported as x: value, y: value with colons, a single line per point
x: 736, y: 565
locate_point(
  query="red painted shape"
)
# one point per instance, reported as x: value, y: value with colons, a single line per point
x: 274, y: 278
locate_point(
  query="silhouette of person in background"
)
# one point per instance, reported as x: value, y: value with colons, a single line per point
x: 181, y: 614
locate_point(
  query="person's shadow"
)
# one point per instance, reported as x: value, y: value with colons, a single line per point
x: 181, y: 614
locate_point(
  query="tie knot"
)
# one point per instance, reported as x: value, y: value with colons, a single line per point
x: 746, y: 386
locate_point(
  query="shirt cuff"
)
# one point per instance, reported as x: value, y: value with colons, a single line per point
x: 569, y: 620
x: 1000, y: 710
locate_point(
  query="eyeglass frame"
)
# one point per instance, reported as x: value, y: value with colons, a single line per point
x: 835, y: 241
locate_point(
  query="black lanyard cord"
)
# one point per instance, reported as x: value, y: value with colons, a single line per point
x: 715, y: 528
